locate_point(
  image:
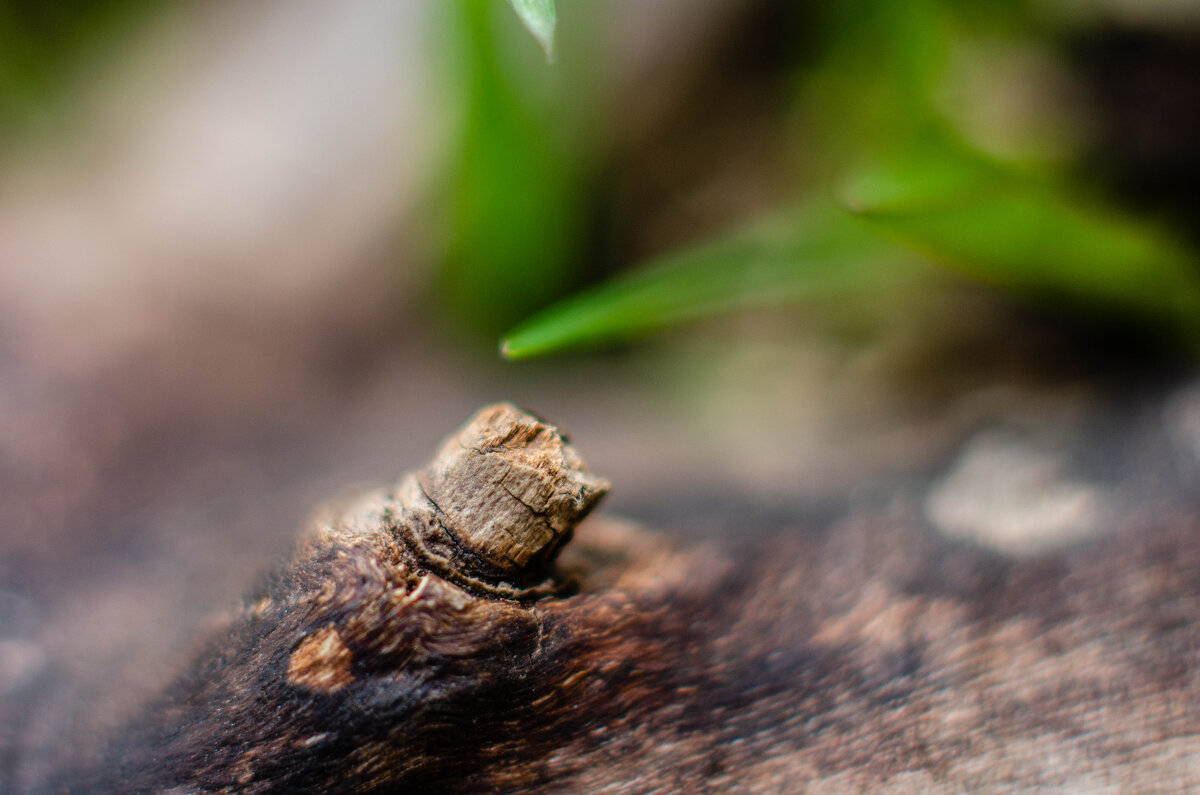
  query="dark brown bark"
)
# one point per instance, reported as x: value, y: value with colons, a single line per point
x: 869, y: 654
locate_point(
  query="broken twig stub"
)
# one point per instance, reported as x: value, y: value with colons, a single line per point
x: 391, y: 610
x: 497, y: 503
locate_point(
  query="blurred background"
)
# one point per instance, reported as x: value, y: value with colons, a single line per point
x: 764, y: 260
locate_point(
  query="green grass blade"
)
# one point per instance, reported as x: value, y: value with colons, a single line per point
x: 810, y: 253
x: 1023, y: 234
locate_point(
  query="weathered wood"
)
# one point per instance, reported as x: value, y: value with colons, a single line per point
x: 871, y: 654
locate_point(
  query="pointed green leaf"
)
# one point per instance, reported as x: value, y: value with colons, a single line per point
x: 815, y: 252
x: 539, y: 19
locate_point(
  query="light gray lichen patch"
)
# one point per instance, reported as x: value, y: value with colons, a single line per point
x: 1182, y: 419
x: 1014, y: 495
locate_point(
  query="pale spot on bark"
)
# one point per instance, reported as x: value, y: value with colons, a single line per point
x: 321, y: 662
x: 1011, y: 495
x: 1182, y: 416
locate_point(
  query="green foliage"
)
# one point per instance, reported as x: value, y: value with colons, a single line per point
x: 538, y: 16
x: 46, y: 46
x: 1029, y: 236
x: 907, y: 187
x: 513, y: 207
x: 815, y: 252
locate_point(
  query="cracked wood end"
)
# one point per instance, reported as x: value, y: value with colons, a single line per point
x: 506, y: 490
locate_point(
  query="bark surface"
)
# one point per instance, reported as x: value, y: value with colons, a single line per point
x: 424, y: 638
